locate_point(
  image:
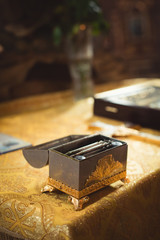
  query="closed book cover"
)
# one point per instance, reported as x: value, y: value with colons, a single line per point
x: 9, y: 143
x: 139, y: 104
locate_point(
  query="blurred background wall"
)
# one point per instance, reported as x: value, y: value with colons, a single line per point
x: 30, y: 63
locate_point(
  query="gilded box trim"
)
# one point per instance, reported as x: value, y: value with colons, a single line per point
x: 94, y: 187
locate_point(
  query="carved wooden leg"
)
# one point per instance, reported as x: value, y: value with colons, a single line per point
x: 48, y: 188
x: 78, y: 203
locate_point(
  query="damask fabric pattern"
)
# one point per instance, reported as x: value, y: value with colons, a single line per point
x: 119, y: 211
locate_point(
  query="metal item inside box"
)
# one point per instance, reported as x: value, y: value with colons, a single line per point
x: 79, y: 164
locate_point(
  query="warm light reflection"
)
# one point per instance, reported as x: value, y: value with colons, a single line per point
x: 82, y: 27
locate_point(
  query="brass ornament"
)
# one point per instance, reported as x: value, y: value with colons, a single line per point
x: 86, y: 191
x: 78, y: 203
x: 48, y: 188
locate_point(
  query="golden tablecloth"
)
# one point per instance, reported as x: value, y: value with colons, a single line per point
x: 120, y: 211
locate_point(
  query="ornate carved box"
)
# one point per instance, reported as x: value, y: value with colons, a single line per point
x: 80, y: 165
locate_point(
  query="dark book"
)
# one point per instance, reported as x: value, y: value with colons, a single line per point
x: 9, y: 143
x: 139, y: 104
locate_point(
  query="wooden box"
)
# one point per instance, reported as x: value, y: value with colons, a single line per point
x: 85, y: 172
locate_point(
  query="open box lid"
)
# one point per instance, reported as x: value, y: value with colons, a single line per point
x: 38, y: 156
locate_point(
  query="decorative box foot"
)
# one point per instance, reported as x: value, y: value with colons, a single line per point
x: 125, y: 180
x: 48, y: 188
x: 78, y: 203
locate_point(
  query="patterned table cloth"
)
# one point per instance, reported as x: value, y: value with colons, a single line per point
x: 119, y: 211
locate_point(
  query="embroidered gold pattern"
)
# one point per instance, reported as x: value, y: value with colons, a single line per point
x: 15, y: 184
x: 13, y: 216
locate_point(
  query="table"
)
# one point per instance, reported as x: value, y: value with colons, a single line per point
x: 119, y: 211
